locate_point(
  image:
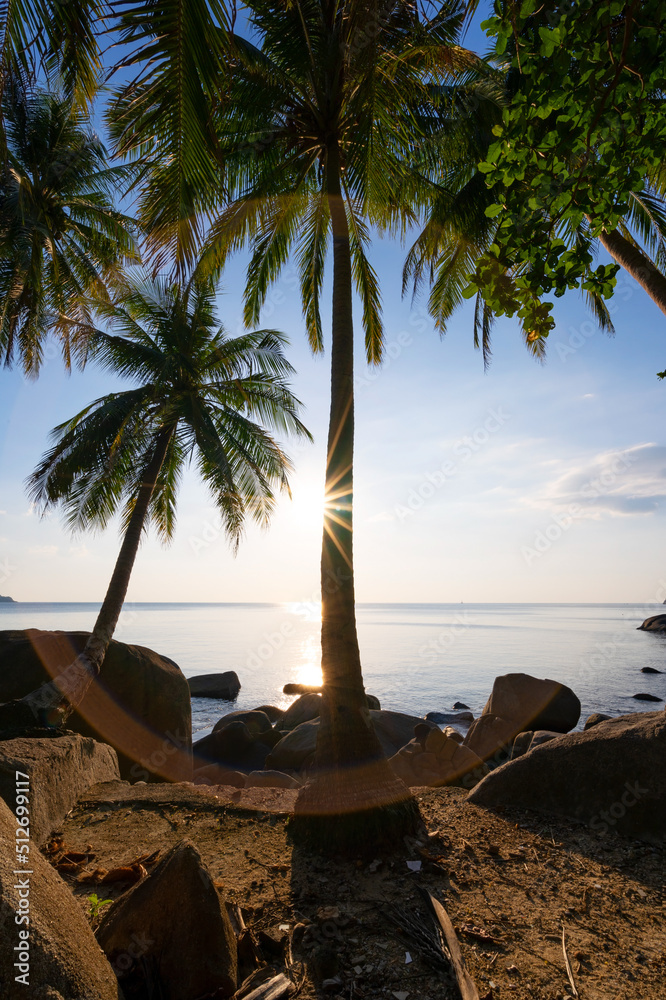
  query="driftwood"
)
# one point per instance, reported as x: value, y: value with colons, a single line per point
x: 468, y: 990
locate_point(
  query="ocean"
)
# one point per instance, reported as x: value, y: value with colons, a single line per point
x: 416, y: 658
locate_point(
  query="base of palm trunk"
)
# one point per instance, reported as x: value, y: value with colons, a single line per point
x: 359, y: 811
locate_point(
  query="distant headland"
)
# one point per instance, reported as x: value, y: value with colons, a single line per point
x: 7, y: 600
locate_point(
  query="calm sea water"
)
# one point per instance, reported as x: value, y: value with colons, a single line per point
x: 416, y: 657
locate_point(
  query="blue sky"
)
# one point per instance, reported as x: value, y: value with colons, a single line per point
x: 527, y: 483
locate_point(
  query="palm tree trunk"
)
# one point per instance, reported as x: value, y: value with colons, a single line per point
x: 351, y: 773
x: 637, y: 265
x: 54, y: 701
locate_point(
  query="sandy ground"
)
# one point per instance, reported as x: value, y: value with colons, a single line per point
x: 510, y: 882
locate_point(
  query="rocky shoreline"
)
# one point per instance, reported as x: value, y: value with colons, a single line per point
x: 124, y: 809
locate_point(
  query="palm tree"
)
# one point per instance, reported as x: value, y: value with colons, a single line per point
x: 60, y: 236
x: 200, y: 395
x: 318, y: 138
x: 41, y: 38
x: 458, y: 234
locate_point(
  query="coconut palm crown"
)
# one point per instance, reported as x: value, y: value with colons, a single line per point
x: 200, y: 396
x: 61, y: 238
x: 319, y: 138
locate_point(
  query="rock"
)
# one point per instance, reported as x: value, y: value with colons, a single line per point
x: 524, y: 742
x: 655, y: 624
x: 178, y: 916
x: 301, y: 689
x: 435, y: 761
x: 611, y: 777
x: 225, y: 685
x: 318, y: 688
x: 233, y: 746
x: 453, y: 734
x: 651, y: 670
x: 532, y: 703
x: 461, y: 705
x: 521, y: 744
x: 305, y: 708
x: 63, y: 952
x: 214, y: 774
x: 257, y: 722
x: 140, y: 705
x: 434, y: 741
x: 646, y: 697
x: 595, y: 719
x: 395, y: 729
x: 542, y: 736
x: 443, y: 717
x: 491, y: 738
x: 296, y: 750
x: 61, y: 769
x: 271, y: 779
x: 273, y: 713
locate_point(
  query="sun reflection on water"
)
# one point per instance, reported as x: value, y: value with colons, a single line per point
x: 307, y: 670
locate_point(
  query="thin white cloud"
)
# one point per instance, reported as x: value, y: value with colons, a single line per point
x: 43, y: 550
x: 629, y: 482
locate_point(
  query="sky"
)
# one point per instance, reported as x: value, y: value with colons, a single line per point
x: 527, y: 483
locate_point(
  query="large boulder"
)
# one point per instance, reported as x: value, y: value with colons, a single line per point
x: 272, y: 711
x: 225, y: 685
x: 60, y: 947
x: 296, y: 750
x: 533, y: 703
x: 174, y: 924
x: 611, y: 777
x: 139, y: 705
x: 491, y: 738
x: 256, y: 721
x: 305, y: 708
x: 233, y: 746
x: 61, y: 769
x: 395, y: 729
x: 655, y: 624
x: 435, y: 759
x: 215, y: 774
